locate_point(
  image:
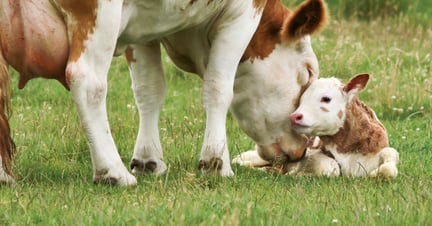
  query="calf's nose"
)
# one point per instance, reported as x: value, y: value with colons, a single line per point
x: 296, y: 118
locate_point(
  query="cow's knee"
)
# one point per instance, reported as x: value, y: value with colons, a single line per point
x: 85, y: 84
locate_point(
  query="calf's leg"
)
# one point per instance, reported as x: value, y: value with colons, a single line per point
x: 388, y: 160
x: 250, y: 158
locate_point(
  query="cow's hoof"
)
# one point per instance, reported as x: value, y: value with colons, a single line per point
x: 114, y: 179
x: 156, y: 167
x: 215, y: 165
x: 6, y: 179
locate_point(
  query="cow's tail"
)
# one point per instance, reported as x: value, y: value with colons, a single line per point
x: 7, y: 145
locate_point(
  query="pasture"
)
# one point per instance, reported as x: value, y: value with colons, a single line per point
x: 54, y: 173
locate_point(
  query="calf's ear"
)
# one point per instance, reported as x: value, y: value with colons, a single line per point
x: 307, y: 19
x: 356, y: 84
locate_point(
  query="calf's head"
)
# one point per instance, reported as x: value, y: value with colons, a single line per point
x: 322, y: 109
x: 277, y: 66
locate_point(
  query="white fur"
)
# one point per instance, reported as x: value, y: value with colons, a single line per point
x: 318, y: 122
x: 204, y: 37
x: 88, y: 83
x: 250, y: 158
x: 317, y: 117
x: 263, y: 100
x: 184, y: 32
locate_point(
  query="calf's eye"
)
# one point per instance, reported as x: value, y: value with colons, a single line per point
x: 325, y: 99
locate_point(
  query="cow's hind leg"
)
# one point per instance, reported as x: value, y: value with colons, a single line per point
x: 148, y: 85
x: 92, y: 41
x: 388, y: 160
x: 7, y: 146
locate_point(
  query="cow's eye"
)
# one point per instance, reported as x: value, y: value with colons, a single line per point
x: 325, y: 99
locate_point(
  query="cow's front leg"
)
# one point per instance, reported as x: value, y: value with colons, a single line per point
x: 229, y: 43
x: 92, y: 35
x: 148, y: 85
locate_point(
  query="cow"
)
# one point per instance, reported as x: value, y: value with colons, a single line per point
x: 347, y: 138
x: 250, y: 54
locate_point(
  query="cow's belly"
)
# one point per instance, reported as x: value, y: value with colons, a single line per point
x: 148, y: 20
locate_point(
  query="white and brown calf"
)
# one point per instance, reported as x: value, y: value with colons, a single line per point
x: 352, y: 141
x: 251, y: 54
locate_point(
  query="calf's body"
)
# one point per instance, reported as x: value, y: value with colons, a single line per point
x: 350, y: 140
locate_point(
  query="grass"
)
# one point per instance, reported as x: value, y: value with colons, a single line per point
x: 53, y: 165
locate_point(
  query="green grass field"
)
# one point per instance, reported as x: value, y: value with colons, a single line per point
x: 53, y: 166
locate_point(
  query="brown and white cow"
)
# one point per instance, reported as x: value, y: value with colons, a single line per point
x: 352, y: 141
x: 251, y: 54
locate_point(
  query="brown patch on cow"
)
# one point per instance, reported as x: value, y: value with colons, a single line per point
x: 340, y: 114
x: 361, y: 132
x: 259, y: 4
x: 279, y: 24
x: 308, y: 18
x: 267, y: 34
x: 129, y: 56
x: 191, y: 2
x: 81, y: 20
x: 7, y: 145
x: 324, y: 109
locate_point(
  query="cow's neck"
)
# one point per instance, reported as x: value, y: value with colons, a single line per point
x: 361, y: 132
x: 267, y: 34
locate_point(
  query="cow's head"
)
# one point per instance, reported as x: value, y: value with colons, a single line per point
x: 278, y: 65
x: 322, y: 109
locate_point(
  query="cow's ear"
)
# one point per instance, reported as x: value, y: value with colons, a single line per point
x: 307, y: 19
x: 356, y: 84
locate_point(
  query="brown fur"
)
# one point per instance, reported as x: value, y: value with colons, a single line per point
x: 267, y: 34
x: 313, y: 18
x: 273, y: 26
x: 324, y: 109
x: 362, y: 132
x: 129, y: 56
x: 7, y: 146
x: 85, y: 15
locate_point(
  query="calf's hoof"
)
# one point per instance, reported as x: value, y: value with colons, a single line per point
x: 385, y: 171
x: 155, y: 166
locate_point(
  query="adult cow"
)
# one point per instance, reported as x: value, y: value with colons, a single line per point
x: 253, y: 55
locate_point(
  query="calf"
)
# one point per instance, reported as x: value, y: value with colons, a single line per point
x: 251, y: 54
x: 350, y: 140
x: 351, y: 135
